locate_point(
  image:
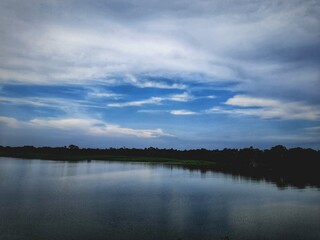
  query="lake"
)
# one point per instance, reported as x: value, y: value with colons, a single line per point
x: 58, y: 200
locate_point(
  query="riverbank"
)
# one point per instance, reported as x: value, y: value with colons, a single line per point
x: 75, y: 157
x: 286, y: 167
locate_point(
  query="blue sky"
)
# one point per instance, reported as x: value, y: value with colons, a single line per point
x: 181, y: 74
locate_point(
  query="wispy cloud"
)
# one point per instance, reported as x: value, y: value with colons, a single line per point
x: 172, y: 112
x: 195, y: 41
x: 153, y: 111
x: 184, y: 97
x: 153, y: 100
x: 269, y: 108
x: 153, y: 84
x: 182, y: 112
x: 86, y: 126
x: 247, y: 101
x: 315, y: 129
x: 82, y: 54
x: 98, y: 93
x: 69, y: 106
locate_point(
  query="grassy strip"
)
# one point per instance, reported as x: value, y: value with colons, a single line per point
x: 170, y: 161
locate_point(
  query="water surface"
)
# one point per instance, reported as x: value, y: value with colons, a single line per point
x: 111, y: 200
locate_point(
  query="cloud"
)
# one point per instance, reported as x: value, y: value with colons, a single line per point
x: 173, y: 112
x: 10, y: 122
x: 267, y: 51
x: 105, y: 95
x: 99, y: 92
x: 37, y: 102
x: 151, y: 111
x: 117, y: 130
x: 69, y: 106
x: 61, y: 54
x: 215, y: 39
x: 315, y: 129
x: 152, y: 84
x: 182, y: 112
x: 246, y: 101
x: 269, y: 108
x: 153, y: 100
x: 184, y: 97
x: 87, y: 126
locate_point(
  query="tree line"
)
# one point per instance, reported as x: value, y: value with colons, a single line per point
x: 299, y: 166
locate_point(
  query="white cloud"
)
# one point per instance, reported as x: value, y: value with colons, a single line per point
x: 69, y: 106
x: 26, y: 101
x: 85, y: 126
x: 96, y: 92
x: 65, y: 124
x: 210, y: 97
x: 153, y: 100
x: 182, y: 112
x: 184, y: 97
x: 151, y: 111
x: 152, y: 84
x: 61, y: 54
x: 117, y: 130
x: 219, y: 40
x: 246, y: 101
x: 105, y: 95
x: 269, y: 108
x: 173, y: 112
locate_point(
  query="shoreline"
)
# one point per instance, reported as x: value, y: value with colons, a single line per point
x: 288, y: 177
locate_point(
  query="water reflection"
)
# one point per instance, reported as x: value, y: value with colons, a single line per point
x: 109, y: 200
x: 282, y: 181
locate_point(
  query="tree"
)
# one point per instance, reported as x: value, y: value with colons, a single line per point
x: 73, y: 147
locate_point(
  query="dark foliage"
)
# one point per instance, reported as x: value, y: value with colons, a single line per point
x: 296, y: 166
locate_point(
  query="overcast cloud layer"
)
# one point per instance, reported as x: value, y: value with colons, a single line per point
x: 175, y: 73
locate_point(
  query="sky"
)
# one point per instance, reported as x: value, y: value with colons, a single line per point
x: 163, y: 73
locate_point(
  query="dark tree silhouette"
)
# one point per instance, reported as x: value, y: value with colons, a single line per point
x: 295, y: 166
x: 73, y: 147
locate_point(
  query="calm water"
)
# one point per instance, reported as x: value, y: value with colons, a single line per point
x: 108, y: 200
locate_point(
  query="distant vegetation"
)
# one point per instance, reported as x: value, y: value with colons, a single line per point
x: 298, y: 167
